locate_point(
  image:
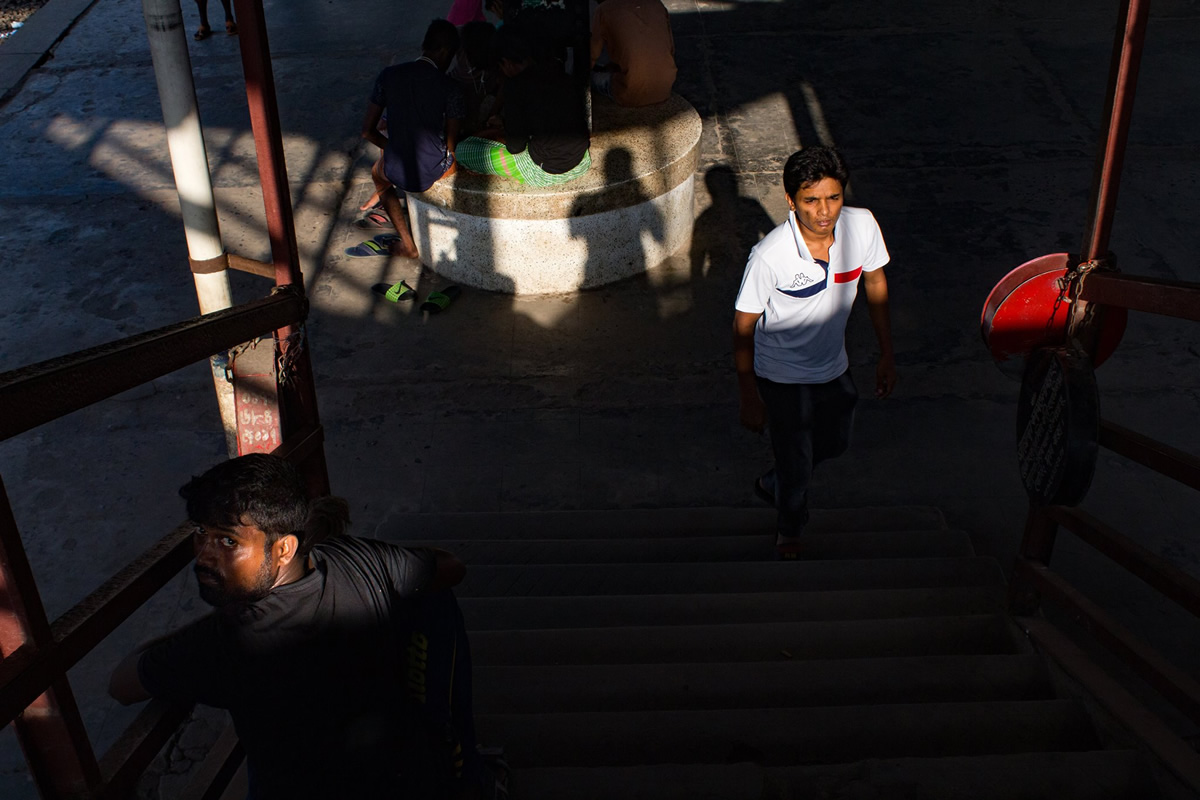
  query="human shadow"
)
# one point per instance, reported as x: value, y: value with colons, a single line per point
x: 626, y: 209
x: 725, y: 232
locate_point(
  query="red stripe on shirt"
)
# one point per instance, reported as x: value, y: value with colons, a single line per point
x: 847, y: 277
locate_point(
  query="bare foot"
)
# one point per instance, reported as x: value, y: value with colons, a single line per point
x: 399, y: 248
x: 372, y: 201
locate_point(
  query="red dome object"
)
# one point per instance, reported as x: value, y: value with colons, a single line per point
x: 1019, y: 315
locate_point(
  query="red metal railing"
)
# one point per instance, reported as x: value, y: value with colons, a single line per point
x: 36, y: 653
x: 1090, y: 292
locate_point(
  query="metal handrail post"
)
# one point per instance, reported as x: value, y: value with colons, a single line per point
x: 297, y: 393
x: 51, y: 731
x: 1086, y: 320
x: 189, y: 162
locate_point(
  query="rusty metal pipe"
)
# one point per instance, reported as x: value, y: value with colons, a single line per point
x: 1118, y: 110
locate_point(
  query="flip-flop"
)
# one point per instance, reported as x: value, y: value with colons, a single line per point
x: 375, y: 218
x: 438, y: 302
x: 368, y: 249
x: 395, y: 292
x: 787, y: 551
x: 202, y: 33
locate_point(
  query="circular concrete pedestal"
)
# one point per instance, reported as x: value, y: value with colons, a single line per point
x: 630, y: 211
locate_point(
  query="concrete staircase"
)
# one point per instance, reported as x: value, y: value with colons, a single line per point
x: 662, y: 654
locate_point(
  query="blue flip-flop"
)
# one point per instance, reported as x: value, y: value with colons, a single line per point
x: 368, y: 249
x: 376, y: 246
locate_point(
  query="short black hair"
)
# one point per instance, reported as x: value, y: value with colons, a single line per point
x: 440, y: 36
x: 807, y: 166
x: 259, y: 489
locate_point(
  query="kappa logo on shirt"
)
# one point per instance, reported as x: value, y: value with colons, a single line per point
x: 806, y: 284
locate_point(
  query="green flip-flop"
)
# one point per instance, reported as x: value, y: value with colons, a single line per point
x: 438, y: 302
x: 395, y: 292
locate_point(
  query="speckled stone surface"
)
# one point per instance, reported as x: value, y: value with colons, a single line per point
x: 631, y: 211
x: 543, y: 256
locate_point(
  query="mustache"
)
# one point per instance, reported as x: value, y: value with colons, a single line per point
x: 212, y: 573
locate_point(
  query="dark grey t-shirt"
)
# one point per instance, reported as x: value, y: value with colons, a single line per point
x: 311, y: 674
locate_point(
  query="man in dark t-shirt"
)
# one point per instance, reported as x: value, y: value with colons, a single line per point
x: 424, y: 110
x: 343, y: 661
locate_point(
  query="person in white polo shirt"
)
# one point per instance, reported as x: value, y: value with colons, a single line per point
x: 789, y: 331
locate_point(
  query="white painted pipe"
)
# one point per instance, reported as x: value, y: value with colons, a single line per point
x: 189, y: 161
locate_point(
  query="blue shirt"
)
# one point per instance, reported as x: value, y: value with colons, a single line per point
x: 419, y: 98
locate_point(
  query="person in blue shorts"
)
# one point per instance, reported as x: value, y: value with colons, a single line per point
x: 424, y: 109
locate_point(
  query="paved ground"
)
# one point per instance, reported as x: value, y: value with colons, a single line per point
x: 971, y: 131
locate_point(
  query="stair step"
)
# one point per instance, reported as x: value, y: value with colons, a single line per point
x: 644, y: 523
x: 763, y: 641
x: 787, y: 736
x: 790, y: 684
x: 596, y: 579
x: 505, y: 613
x: 743, y: 547
x: 1086, y: 775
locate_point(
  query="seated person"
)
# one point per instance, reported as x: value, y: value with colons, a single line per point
x: 545, y: 140
x: 633, y: 51
x: 343, y: 661
x: 477, y: 83
x: 424, y: 108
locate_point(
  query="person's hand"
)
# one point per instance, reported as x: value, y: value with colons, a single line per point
x: 753, y: 412
x: 885, y: 377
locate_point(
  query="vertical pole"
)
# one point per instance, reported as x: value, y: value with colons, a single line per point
x: 297, y: 394
x: 1037, y: 544
x: 1085, y: 320
x: 189, y: 161
x: 50, y: 730
x: 1118, y: 110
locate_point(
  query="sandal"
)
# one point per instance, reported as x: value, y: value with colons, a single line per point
x: 395, y: 292
x: 368, y: 249
x: 496, y: 785
x: 438, y: 302
x: 787, y: 549
x: 375, y: 218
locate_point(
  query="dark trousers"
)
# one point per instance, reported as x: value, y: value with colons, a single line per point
x: 440, y: 747
x: 809, y: 423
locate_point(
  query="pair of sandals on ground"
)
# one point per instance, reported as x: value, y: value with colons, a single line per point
x: 380, y: 245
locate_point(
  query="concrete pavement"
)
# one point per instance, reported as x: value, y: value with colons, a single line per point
x: 970, y: 131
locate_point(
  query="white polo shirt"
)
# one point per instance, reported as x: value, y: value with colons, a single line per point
x: 801, y: 335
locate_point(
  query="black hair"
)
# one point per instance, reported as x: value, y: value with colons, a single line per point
x: 807, y: 166
x: 440, y: 36
x: 267, y: 492
x: 477, y: 43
